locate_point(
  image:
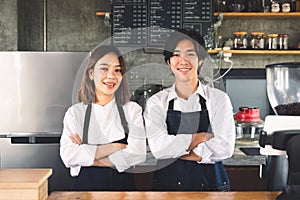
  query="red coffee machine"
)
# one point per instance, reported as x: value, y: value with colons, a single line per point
x: 248, y: 125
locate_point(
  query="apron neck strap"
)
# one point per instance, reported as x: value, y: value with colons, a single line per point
x: 202, y: 102
x: 87, y: 122
x: 123, y: 119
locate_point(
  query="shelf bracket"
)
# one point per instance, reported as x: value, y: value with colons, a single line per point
x: 106, y: 16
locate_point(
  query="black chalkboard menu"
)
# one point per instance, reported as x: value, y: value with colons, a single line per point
x: 147, y: 23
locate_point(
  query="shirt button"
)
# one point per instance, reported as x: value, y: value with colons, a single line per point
x: 179, y: 183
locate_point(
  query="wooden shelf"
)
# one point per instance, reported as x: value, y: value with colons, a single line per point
x: 267, y: 52
x: 260, y: 14
x: 250, y: 15
x: 102, y: 14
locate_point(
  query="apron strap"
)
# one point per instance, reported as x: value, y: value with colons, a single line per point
x: 202, y: 102
x: 123, y: 119
x: 171, y: 105
x: 87, y: 122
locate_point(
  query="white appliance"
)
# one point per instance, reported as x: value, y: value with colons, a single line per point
x: 278, y: 123
x: 283, y: 89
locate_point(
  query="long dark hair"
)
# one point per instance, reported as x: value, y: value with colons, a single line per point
x: 86, y: 93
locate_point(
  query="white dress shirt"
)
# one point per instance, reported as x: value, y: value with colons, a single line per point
x: 104, y: 127
x: 220, y: 111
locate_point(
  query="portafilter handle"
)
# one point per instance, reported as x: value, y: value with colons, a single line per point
x: 264, y: 139
x: 278, y: 140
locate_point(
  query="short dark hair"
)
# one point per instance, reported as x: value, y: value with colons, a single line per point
x: 86, y: 93
x: 182, y: 34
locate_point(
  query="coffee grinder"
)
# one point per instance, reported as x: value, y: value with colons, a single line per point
x: 280, y: 138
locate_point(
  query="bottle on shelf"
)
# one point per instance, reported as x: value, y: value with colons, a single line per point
x: 283, y: 41
x: 272, y: 42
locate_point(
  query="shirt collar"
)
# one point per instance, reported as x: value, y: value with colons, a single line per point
x: 200, y: 90
x: 109, y: 104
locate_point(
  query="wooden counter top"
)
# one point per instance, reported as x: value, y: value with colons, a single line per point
x: 163, y: 195
x: 24, y: 183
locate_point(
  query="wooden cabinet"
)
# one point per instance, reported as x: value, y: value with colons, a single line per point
x: 25, y: 184
x: 242, y: 178
x: 246, y: 178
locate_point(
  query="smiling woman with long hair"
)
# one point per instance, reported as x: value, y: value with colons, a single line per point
x: 103, y: 134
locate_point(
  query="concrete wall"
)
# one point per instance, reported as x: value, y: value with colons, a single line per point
x: 30, y: 25
x: 70, y: 25
x: 8, y: 25
x: 74, y: 26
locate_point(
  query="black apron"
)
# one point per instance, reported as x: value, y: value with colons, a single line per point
x: 183, y: 175
x: 103, y: 178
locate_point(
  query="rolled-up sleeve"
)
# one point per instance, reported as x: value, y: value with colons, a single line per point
x: 221, y: 146
x: 135, y: 151
x: 74, y: 155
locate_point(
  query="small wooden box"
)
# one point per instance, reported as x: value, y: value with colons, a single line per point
x: 23, y: 184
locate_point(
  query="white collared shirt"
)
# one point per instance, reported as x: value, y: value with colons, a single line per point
x: 220, y: 110
x: 104, y: 127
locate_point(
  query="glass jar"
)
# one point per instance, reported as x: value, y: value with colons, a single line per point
x: 272, y: 41
x: 286, y: 7
x: 257, y: 40
x: 240, y: 40
x: 275, y: 7
x: 283, y: 41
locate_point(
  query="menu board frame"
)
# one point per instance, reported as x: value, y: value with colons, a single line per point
x: 147, y: 23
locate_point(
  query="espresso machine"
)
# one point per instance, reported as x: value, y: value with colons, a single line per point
x: 280, y: 138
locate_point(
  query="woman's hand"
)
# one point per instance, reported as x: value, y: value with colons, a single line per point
x: 76, y: 139
x: 119, y: 146
x: 103, y: 162
x: 191, y: 157
x: 105, y: 150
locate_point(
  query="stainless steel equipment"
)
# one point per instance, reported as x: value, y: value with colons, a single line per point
x: 283, y: 88
x: 36, y: 89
